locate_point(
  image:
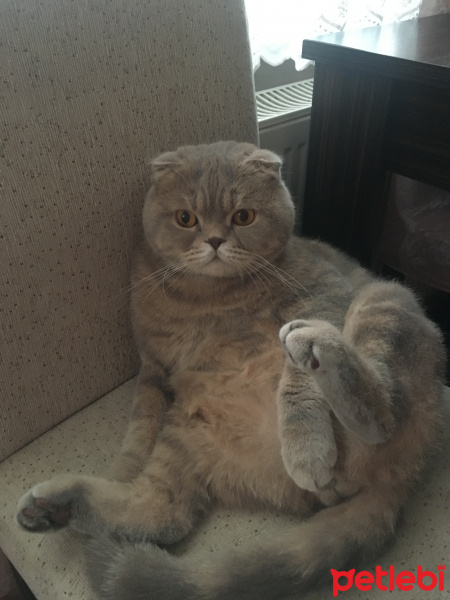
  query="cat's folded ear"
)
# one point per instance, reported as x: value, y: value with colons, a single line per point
x: 163, y: 164
x: 264, y: 161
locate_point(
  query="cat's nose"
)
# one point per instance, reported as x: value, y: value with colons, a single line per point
x: 215, y: 242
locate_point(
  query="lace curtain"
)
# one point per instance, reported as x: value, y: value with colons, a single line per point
x: 277, y: 27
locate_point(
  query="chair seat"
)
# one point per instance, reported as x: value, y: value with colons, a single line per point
x: 52, y: 564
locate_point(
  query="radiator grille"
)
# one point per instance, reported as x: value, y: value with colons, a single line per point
x: 283, y: 122
x: 285, y: 101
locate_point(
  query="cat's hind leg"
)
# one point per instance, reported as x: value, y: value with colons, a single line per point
x: 151, y: 400
x: 160, y: 505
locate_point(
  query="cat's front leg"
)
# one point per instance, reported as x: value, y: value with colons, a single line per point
x: 355, y: 391
x: 306, y: 434
x: 151, y: 399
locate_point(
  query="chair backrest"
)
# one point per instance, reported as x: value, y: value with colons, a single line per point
x: 89, y: 91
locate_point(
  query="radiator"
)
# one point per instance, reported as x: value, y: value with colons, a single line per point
x: 283, y: 121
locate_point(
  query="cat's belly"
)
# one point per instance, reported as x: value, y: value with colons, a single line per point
x: 232, y: 420
x: 234, y: 398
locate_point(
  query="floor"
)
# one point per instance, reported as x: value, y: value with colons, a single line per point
x: 24, y: 589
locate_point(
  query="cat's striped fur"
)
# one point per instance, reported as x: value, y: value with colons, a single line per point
x: 336, y: 415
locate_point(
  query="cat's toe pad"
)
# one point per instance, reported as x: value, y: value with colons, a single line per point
x: 35, y: 513
x: 310, y: 345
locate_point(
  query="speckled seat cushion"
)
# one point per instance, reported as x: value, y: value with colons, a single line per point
x: 52, y: 563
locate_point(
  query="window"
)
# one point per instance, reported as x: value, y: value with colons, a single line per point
x: 277, y: 29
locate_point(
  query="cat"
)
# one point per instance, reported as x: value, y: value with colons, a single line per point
x: 276, y: 372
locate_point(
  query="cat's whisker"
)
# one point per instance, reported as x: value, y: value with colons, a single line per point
x: 126, y: 290
x: 281, y: 279
x: 167, y: 275
x: 145, y: 281
x: 288, y: 276
x: 283, y: 276
x: 155, y: 279
x: 245, y: 269
x: 176, y: 277
x: 241, y: 270
x: 163, y: 276
x: 123, y: 295
x: 261, y: 276
x: 248, y: 268
x: 244, y: 262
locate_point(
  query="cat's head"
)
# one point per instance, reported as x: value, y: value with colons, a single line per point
x: 218, y: 209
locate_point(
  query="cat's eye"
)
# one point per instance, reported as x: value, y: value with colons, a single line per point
x: 186, y: 218
x: 244, y: 217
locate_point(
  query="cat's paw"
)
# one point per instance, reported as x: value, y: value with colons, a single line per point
x: 311, y: 345
x: 314, y: 478
x: 38, y: 510
x: 310, y: 471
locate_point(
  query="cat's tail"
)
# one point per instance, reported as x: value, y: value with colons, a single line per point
x: 335, y: 538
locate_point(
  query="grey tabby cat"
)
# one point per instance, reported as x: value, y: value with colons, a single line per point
x: 276, y: 372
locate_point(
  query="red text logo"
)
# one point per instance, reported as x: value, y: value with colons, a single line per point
x: 388, y: 580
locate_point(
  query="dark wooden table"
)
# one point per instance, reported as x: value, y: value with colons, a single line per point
x: 381, y: 104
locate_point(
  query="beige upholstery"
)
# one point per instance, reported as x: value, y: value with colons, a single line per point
x: 89, y: 89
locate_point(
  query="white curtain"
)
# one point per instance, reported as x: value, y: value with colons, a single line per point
x: 278, y: 27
